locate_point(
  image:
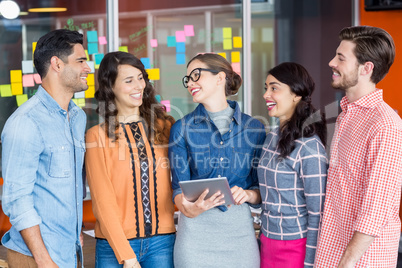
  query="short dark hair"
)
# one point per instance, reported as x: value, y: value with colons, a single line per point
x: 372, y: 44
x: 57, y: 43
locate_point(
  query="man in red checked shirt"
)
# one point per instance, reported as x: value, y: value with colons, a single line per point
x: 361, y: 225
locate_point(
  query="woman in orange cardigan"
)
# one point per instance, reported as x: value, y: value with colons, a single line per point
x: 128, y: 169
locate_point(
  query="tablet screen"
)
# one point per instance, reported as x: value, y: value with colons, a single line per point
x: 194, y: 188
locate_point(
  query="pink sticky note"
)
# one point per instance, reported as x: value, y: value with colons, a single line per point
x: 37, y: 79
x: 154, y: 43
x: 180, y: 36
x: 102, y: 40
x: 189, y: 30
x: 28, y: 80
x: 167, y: 104
x: 236, y: 67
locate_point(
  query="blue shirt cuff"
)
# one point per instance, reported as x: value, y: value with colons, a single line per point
x: 26, y: 220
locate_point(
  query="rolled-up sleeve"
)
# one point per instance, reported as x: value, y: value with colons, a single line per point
x: 22, y: 145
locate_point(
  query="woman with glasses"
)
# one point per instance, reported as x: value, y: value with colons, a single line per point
x: 128, y: 169
x: 215, y: 140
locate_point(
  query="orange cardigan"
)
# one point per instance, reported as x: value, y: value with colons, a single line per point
x: 116, y: 195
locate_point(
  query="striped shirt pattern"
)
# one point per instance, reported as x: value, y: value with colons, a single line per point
x: 293, y: 191
x: 364, y: 183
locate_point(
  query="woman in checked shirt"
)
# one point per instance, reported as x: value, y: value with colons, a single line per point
x: 292, y: 170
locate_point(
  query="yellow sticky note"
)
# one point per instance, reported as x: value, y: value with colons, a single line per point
x: 123, y: 48
x: 81, y: 102
x: 16, y: 88
x: 237, y: 42
x: 5, y: 90
x: 91, y: 79
x: 153, y: 74
x: 86, y: 53
x: 75, y: 101
x: 227, y: 32
x: 235, y: 56
x: 33, y: 48
x: 16, y: 76
x: 21, y: 99
x: 227, y: 44
x: 90, y: 92
x: 97, y: 66
x: 223, y: 54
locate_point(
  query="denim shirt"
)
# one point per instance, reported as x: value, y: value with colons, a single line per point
x: 42, y: 159
x: 197, y: 150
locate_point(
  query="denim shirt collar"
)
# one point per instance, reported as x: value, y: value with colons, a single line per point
x: 201, y: 114
x: 52, y: 106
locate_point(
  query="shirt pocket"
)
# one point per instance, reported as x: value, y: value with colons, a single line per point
x: 59, y: 162
x: 242, y: 161
x: 200, y: 161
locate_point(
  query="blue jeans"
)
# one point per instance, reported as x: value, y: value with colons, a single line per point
x: 156, y: 251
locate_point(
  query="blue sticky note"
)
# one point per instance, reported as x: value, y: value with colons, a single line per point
x: 158, y: 98
x: 146, y: 62
x: 92, y: 36
x: 92, y: 48
x: 171, y: 41
x: 98, y: 58
x: 180, y: 58
x: 180, y: 47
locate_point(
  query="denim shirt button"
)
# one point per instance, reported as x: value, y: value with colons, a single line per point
x: 230, y: 130
x: 219, y: 176
x: 221, y: 142
x: 221, y: 158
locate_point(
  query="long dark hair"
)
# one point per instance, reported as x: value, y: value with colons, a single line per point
x: 220, y: 64
x: 150, y: 110
x: 306, y: 121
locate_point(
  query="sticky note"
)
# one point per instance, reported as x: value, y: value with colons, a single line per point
x: 75, y: 101
x: 189, y: 30
x: 158, y: 98
x: 79, y: 95
x: 171, y: 41
x: 37, y: 79
x: 102, y: 40
x: 123, y: 48
x: 5, y: 90
x: 237, y: 42
x: 167, y: 104
x: 86, y: 53
x: 146, y: 62
x: 92, y: 48
x: 223, y: 54
x: 153, y: 74
x: 90, y: 92
x: 33, y: 48
x: 91, y: 65
x: 235, y: 56
x: 236, y: 67
x: 180, y: 36
x: 16, y: 76
x: 28, y: 80
x: 16, y: 88
x: 92, y: 36
x: 27, y: 66
x: 91, y: 80
x: 227, y: 44
x: 180, y: 47
x: 227, y: 32
x: 154, y: 42
x: 81, y: 102
x: 21, y: 99
x: 98, y: 58
x: 180, y: 58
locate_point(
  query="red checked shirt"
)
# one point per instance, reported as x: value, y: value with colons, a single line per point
x: 364, y: 183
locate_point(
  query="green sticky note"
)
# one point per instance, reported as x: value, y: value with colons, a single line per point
x: 123, y: 48
x: 227, y: 32
x: 227, y: 44
x: 21, y: 99
x: 5, y: 90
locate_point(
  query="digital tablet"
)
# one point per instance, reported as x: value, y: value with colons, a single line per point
x: 194, y: 188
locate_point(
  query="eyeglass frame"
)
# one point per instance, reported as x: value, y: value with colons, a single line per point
x: 188, y: 77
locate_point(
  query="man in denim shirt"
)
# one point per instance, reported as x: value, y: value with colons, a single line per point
x: 42, y: 158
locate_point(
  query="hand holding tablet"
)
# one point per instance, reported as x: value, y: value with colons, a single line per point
x: 194, y: 188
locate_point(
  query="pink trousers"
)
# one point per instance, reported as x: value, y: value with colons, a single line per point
x: 282, y: 253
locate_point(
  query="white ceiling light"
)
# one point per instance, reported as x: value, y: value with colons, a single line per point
x: 9, y: 9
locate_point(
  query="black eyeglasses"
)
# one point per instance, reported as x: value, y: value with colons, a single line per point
x: 195, y: 75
